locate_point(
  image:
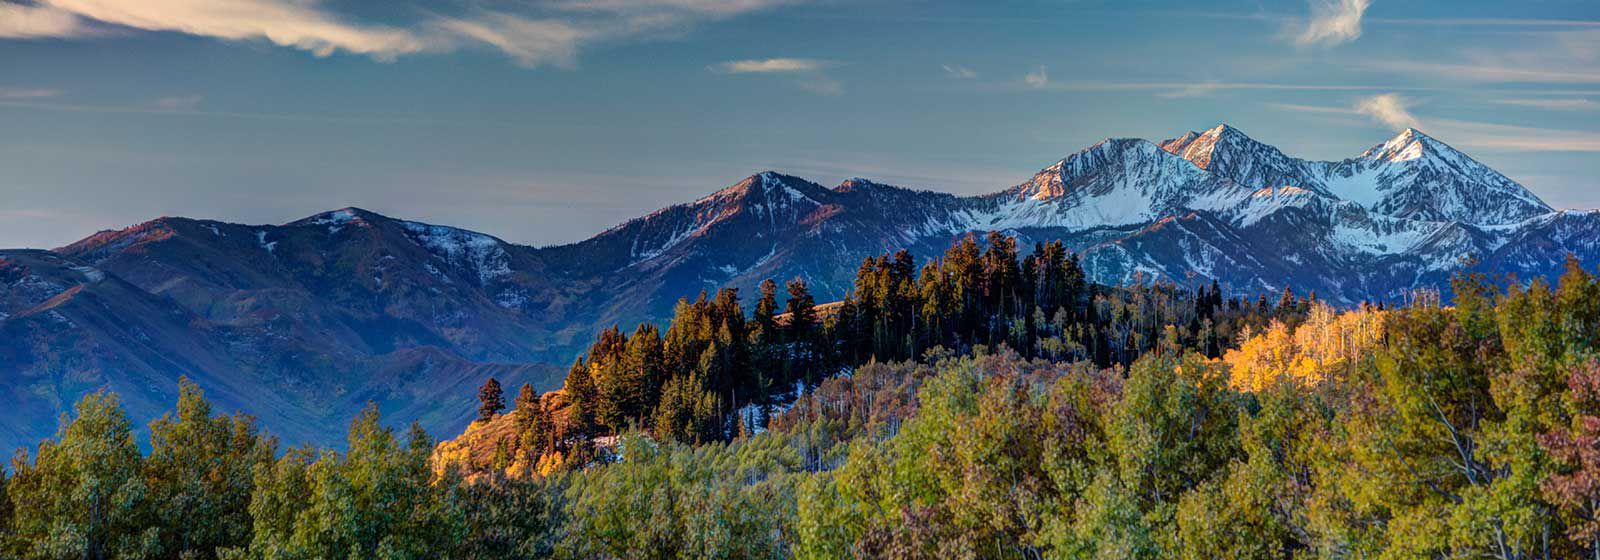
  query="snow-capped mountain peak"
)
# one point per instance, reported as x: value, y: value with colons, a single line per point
x: 1409, y: 145
x: 1413, y: 175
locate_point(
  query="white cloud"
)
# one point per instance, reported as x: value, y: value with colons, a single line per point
x: 1038, y: 78
x: 19, y: 21
x: 959, y: 72
x: 530, y: 42
x: 809, y: 70
x: 723, y: 8
x: 1389, y: 109
x: 1332, y: 22
x: 284, y: 23
x: 770, y: 66
x: 538, y: 33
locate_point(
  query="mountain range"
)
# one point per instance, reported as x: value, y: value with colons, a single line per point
x: 301, y: 323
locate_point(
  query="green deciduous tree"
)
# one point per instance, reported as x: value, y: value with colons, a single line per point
x: 83, y: 495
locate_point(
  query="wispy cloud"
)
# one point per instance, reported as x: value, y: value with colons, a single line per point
x: 179, y: 103
x: 1552, y: 104
x: 1333, y: 22
x: 174, y: 109
x: 1568, y: 56
x: 1513, y: 138
x: 1389, y: 109
x: 284, y: 23
x: 1470, y: 134
x: 808, y: 70
x: 1038, y: 78
x: 534, y: 35
x: 1193, y: 90
x: 530, y: 42
x: 959, y: 72
x: 770, y: 66
x: 1183, y: 89
x: 1492, y: 73
x: 1484, y: 22
x: 26, y: 93
x: 1300, y: 23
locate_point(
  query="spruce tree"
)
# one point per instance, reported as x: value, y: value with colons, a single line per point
x: 801, y: 331
x: 490, y: 400
x: 580, y: 393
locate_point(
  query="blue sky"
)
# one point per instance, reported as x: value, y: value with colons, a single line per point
x: 546, y: 121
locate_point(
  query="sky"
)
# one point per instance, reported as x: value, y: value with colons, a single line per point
x: 547, y: 121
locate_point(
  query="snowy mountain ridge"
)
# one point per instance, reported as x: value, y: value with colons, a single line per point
x: 1371, y: 226
x: 349, y: 305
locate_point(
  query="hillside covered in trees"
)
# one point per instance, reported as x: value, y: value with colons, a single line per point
x: 716, y: 372
x: 984, y: 406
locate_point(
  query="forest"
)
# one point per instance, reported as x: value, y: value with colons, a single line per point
x: 985, y: 405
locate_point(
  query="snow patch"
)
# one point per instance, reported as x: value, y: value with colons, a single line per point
x: 477, y: 252
x: 261, y: 239
x: 90, y: 274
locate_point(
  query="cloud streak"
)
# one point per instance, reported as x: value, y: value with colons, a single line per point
x: 1493, y: 73
x: 1332, y: 23
x: 959, y: 72
x: 771, y: 66
x: 808, y: 70
x: 538, y: 34
x: 1470, y: 134
x: 26, y: 93
x: 531, y: 43
x: 1191, y: 89
x: 287, y: 24
x: 1552, y: 104
x: 1570, y: 56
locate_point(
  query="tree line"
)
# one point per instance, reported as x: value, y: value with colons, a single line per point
x: 716, y: 371
x: 1469, y: 430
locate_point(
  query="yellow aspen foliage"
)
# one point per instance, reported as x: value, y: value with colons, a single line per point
x: 1325, y: 345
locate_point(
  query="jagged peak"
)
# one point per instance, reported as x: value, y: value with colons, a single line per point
x: 1177, y: 145
x: 1409, y: 144
x: 1223, y: 129
x: 1052, y: 182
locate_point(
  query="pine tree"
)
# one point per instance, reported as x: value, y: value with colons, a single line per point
x: 580, y: 393
x: 528, y: 439
x: 801, y: 332
x: 490, y: 400
x: 1286, y: 302
x: 766, y: 328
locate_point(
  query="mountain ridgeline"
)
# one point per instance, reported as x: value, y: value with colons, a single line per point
x: 301, y: 323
